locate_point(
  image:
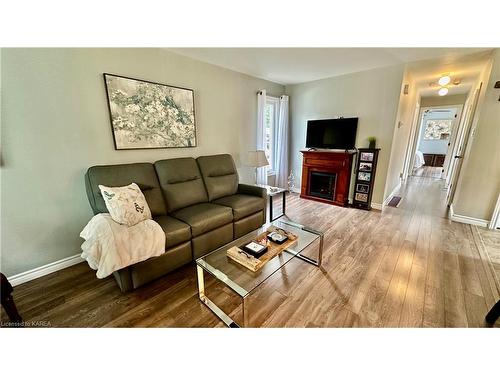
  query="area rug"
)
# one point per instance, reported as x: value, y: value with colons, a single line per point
x: 394, y: 202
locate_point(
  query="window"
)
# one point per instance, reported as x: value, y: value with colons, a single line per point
x: 437, y: 129
x: 270, y: 124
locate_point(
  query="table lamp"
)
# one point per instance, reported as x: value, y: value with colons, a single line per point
x: 257, y: 159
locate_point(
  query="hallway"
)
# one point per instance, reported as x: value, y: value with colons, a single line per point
x: 424, y: 192
x: 428, y: 172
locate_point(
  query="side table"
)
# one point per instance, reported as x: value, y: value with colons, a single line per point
x: 272, y: 192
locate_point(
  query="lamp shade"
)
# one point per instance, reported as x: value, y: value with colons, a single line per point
x: 257, y: 159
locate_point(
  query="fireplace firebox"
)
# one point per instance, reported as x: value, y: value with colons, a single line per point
x: 326, y: 176
x: 322, y: 185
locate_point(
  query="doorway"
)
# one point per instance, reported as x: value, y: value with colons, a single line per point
x: 434, y: 142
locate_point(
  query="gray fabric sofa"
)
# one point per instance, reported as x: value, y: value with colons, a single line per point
x: 199, y: 203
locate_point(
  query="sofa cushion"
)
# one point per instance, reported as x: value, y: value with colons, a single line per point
x: 143, y: 174
x: 242, y: 205
x: 219, y: 174
x: 204, y: 217
x: 175, y: 230
x: 248, y: 224
x: 181, y: 182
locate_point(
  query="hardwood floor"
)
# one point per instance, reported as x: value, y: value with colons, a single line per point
x: 491, y: 242
x: 403, y: 267
x: 429, y: 172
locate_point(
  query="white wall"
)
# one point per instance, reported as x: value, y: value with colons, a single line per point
x: 439, y: 101
x: 435, y: 146
x: 371, y: 95
x: 404, y: 121
x: 55, y: 124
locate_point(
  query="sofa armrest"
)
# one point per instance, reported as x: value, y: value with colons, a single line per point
x: 256, y: 191
x: 252, y: 190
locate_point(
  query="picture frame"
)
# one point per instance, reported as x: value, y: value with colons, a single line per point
x: 366, y: 156
x: 149, y: 115
x: 363, y: 188
x: 364, y: 176
x: 361, y: 197
x: 438, y: 129
x: 365, y: 167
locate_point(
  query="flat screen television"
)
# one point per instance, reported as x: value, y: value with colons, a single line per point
x: 333, y: 133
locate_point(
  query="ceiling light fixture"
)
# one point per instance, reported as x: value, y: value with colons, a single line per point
x: 443, y: 91
x: 444, y: 80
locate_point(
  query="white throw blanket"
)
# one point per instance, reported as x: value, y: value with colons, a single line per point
x: 110, y: 246
x: 419, y: 159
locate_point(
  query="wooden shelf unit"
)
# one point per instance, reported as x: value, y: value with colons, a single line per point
x: 366, y: 166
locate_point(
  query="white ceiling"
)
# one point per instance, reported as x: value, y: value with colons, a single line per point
x: 295, y: 65
x: 466, y: 68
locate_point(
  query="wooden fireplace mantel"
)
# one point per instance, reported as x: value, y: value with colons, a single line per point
x: 337, y: 162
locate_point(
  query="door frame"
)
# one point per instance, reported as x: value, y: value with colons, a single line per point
x: 456, y: 130
x: 409, y: 157
x: 415, y: 132
x: 495, y: 218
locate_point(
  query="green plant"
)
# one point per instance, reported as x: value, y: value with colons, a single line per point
x: 372, y: 139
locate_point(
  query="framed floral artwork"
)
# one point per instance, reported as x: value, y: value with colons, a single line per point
x: 438, y: 129
x: 146, y: 114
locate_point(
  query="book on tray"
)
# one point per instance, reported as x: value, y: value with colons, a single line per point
x: 254, y: 248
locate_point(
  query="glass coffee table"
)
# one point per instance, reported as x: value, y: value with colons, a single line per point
x: 243, y: 281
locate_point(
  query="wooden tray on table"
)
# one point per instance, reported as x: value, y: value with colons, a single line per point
x: 273, y: 249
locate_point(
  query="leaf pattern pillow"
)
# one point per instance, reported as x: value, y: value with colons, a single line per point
x: 126, y: 204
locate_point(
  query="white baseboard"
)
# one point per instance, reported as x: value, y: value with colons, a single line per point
x: 467, y: 219
x: 35, y: 273
x: 393, y: 193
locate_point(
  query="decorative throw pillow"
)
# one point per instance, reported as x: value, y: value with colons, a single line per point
x: 126, y: 204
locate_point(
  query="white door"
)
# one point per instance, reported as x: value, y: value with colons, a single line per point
x: 410, y: 148
x: 457, y: 158
x: 455, y: 130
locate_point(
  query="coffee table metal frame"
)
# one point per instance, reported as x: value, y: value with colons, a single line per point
x: 202, y: 267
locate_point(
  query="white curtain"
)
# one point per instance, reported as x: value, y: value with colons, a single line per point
x: 261, y: 107
x: 282, y: 144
